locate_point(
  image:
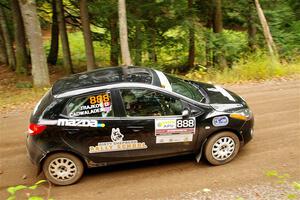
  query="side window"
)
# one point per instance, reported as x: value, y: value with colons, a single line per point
x: 96, y: 105
x: 144, y: 102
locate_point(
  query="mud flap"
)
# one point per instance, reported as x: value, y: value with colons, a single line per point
x: 199, y: 155
x: 38, y: 171
x: 40, y: 165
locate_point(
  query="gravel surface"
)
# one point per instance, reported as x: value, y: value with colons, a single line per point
x: 266, y: 191
x: 275, y: 146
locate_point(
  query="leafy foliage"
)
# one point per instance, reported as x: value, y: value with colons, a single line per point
x: 159, y: 34
x: 14, y: 189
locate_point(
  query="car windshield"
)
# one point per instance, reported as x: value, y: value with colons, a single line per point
x: 184, y: 88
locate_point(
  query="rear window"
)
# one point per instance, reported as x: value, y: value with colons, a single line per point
x: 101, y: 76
x: 88, y: 79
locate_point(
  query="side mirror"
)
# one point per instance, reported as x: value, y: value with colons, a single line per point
x: 186, y: 113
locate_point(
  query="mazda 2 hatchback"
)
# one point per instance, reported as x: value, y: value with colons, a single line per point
x: 110, y: 116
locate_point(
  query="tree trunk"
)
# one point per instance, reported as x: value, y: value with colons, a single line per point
x: 20, y: 40
x: 208, y: 36
x: 208, y: 48
x: 217, y: 17
x: 218, y: 29
x: 126, y: 59
x: 7, y: 40
x: 34, y: 34
x: 114, y: 48
x: 138, y: 44
x: 266, y: 30
x: 3, y: 54
x: 87, y: 35
x: 191, y: 58
x: 251, y: 27
x: 64, y: 37
x: 53, y: 53
x: 152, y: 46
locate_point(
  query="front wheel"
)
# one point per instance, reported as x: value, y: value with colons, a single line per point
x: 63, y: 168
x: 221, y: 148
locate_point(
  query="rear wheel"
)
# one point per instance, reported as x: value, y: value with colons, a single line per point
x: 63, y: 168
x: 221, y: 148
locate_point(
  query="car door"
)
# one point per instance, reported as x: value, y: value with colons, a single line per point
x: 89, y: 125
x: 155, y: 119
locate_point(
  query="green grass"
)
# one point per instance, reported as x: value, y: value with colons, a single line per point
x: 102, y: 51
x: 254, y: 68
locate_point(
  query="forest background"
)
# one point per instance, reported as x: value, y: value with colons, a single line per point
x: 205, y: 40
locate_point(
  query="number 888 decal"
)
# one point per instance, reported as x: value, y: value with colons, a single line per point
x: 103, y: 98
x: 185, y: 123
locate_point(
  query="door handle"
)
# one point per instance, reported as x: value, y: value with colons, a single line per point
x: 72, y: 130
x: 135, y: 127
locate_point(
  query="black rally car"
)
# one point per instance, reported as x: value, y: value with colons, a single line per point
x: 111, y: 116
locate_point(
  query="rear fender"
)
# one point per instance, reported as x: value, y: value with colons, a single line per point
x: 41, y: 162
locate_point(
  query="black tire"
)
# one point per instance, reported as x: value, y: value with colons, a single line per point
x: 221, y: 148
x: 63, y: 168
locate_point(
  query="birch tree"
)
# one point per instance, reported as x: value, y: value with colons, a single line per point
x: 87, y: 35
x: 64, y: 37
x: 266, y: 30
x: 33, y: 31
x: 125, y: 53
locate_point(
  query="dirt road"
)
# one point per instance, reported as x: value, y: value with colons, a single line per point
x: 276, y: 146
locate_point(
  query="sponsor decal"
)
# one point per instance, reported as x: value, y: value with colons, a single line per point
x: 174, y: 126
x: 220, y: 121
x: 80, y: 123
x: 171, y: 130
x: 166, y: 124
x: 117, y: 144
x: 173, y: 138
x: 88, y: 112
x: 94, y: 104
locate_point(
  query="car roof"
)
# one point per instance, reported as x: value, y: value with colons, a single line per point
x: 105, y: 76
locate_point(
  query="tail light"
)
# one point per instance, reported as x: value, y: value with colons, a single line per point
x: 35, y: 129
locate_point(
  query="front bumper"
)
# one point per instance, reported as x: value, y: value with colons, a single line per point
x: 247, y: 130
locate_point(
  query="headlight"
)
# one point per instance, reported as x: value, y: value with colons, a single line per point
x: 243, y: 114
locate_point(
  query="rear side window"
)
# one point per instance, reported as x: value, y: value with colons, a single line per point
x: 95, y: 105
x: 43, y: 103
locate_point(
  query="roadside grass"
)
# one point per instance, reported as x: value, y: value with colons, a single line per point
x: 254, y: 68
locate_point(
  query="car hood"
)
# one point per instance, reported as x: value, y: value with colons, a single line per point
x: 221, y: 99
